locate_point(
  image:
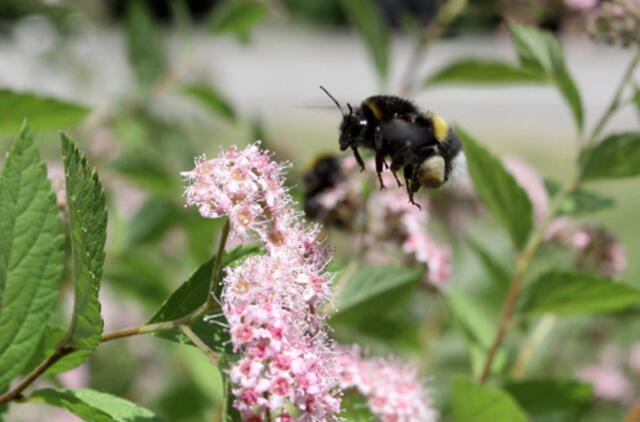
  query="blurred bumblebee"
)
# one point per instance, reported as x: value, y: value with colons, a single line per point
x: 420, y: 143
x: 323, y: 174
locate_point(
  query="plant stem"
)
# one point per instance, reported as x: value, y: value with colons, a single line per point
x: 634, y: 413
x: 213, y: 356
x: 16, y: 392
x: 528, y: 349
x: 617, y: 97
x: 522, y: 265
x: 447, y: 13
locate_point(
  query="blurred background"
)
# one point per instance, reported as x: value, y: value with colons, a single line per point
x: 157, y: 83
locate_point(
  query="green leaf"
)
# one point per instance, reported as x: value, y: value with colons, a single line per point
x: 88, y: 227
x: 237, y: 17
x: 367, y: 18
x: 488, y: 72
x: 506, y: 200
x: 192, y: 294
x: 144, y: 45
x: 370, y: 285
x: 31, y: 255
x: 94, y: 406
x: 43, y: 113
x: 539, y: 51
x: 580, y: 201
x: 153, y: 219
x: 479, y: 403
x: 146, y: 171
x: 636, y: 99
x: 206, y: 377
x: 477, y: 329
x: 212, y: 99
x: 139, y: 273
x: 51, y: 338
x: 617, y: 156
x: 567, y: 293
x: 200, y: 231
x: 545, y: 396
x: 499, y: 275
x: 355, y: 408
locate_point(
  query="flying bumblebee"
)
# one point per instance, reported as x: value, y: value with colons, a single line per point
x: 421, y: 143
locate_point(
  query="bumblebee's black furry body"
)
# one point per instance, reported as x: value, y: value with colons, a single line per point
x: 394, y: 127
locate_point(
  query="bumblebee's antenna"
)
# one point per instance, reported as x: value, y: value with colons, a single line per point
x: 331, y: 96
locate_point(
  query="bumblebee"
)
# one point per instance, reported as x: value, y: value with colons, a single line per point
x: 420, y: 143
x: 323, y: 174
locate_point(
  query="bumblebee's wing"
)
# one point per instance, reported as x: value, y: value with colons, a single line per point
x: 386, y: 107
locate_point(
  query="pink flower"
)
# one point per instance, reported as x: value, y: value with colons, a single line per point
x: 609, y: 383
x: 634, y: 358
x: 608, y: 379
x: 596, y: 248
x: 247, y: 186
x: 581, y: 4
x: 393, y: 391
x: 532, y: 183
x: 406, y: 223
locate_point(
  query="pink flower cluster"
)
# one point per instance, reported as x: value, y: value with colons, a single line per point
x: 581, y: 4
x: 408, y: 224
x: 273, y: 303
x: 616, y: 22
x: 246, y: 186
x: 596, y: 249
x: 609, y: 378
x: 393, y: 390
x: 270, y: 305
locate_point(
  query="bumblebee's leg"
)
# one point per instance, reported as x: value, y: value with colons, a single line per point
x: 397, y: 162
x: 377, y: 138
x: 395, y: 175
x: 379, y: 166
x: 407, y: 180
x: 356, y: 154
x: 410, y: 172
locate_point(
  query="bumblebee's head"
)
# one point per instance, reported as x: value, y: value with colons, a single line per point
x: 353, y: 122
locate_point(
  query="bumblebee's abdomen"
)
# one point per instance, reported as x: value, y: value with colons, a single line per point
x: 386, y: 107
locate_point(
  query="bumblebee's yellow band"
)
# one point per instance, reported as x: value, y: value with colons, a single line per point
x: 440, y: 128
x: 377, y: 113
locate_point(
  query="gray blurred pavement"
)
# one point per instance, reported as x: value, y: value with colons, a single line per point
x: 281, y: 70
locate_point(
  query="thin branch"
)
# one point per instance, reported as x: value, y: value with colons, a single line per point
x: 446, y: 15
x: 16, y: 392
x: 528, y: 349
x: 634, y: 413
x: 616, y: 101
x: 213, y: 356
x: 522, y: 265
